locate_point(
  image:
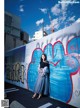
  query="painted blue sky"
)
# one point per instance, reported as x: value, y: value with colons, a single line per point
x: 53, y: 13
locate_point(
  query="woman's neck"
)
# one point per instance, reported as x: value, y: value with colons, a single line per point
x: 44, y: 60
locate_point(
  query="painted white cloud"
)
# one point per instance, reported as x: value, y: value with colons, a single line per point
x: 21, y: 8
x: 44, y: 10
x: 56, y: 9
x: 39, y: 22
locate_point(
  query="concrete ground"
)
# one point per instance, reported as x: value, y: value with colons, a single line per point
x: 24, y: 98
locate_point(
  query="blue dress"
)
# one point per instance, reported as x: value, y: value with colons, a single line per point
x: 42, y: 83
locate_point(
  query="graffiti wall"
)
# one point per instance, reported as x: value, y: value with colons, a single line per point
x: 63, y: 53
x: 15, y: 66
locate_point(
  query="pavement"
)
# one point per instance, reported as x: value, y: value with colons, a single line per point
x: 23, y: 97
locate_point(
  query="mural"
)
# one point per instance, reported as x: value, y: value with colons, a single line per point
x: 61, y: 68
x: 14, y: 65
x: 21, y: 66
x: 33, y: 67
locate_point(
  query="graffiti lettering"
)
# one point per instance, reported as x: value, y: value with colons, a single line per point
x: 37, y: 45
x: 22, y: 73
x: 42, y: 44
x: 77, y: 93
x: 73, y: 48
x: 16, y: 73
x: 71, y: 63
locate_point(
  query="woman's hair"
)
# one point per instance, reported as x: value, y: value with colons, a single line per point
x: 43, y: 64
x: 42, y: 59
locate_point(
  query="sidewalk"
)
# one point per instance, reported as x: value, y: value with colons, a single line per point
x: 24, y: 97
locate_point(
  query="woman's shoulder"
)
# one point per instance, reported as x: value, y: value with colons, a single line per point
x: 47, y: 62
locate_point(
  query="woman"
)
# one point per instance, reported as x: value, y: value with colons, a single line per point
x: 42, y: 83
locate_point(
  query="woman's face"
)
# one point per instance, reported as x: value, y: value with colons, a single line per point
x: 43, y: 57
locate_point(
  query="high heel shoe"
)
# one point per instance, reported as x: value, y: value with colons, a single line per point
x: 39, y: 97
x: 34, y: 96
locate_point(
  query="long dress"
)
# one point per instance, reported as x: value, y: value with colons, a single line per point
x: 42, y: 83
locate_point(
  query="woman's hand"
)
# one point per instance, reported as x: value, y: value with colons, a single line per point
x: 41, y: 70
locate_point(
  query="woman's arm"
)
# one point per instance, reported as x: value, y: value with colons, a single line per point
x: 39, y: 69
x: 45, y: 70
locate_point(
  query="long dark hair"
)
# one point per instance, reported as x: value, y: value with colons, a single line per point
x: 43, y: 64
x: 45, y: 58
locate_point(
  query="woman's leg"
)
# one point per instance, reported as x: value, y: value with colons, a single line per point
x: 39, y: 96
x: 34, y: 95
